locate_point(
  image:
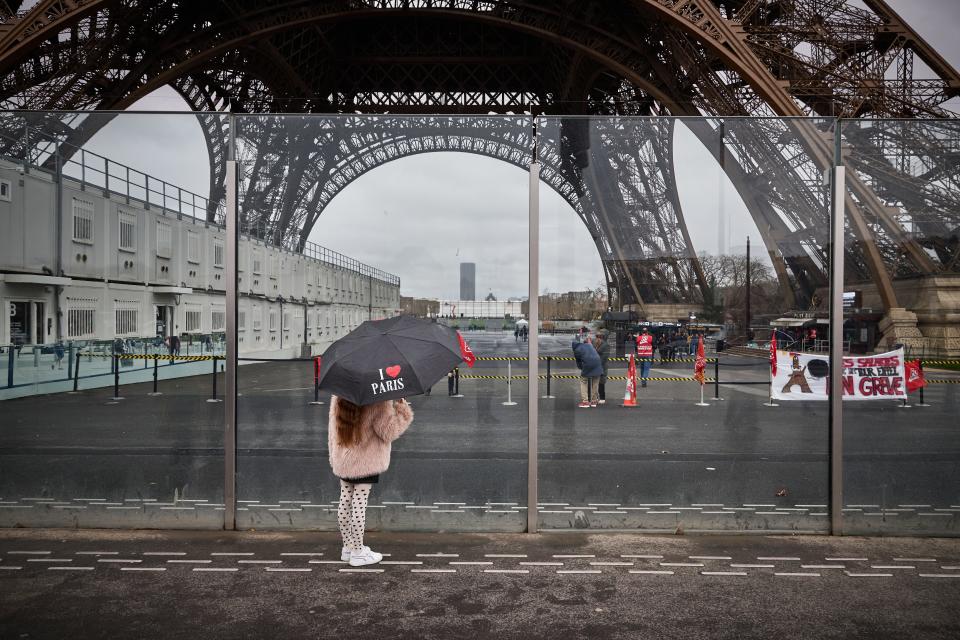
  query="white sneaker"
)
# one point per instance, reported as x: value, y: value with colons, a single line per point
x: 364, y: 557
x: 345, y: 553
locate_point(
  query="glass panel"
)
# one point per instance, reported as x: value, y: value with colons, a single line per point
x: 902, y: 295
x: 657, y: 233
x: 107, y: 423
x: 432, y: 195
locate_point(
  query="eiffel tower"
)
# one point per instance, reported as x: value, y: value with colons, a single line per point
x: 804, y: 70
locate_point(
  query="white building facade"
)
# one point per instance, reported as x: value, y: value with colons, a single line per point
x: 111, y: 266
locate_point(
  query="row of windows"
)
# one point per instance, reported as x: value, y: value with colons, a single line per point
x: 83, y: 231
x: 81, y: 322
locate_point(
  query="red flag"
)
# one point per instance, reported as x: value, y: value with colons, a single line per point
x: 914, y: 372
x: 465, y: 352
x: 701, y: 362
x: 773, y: 353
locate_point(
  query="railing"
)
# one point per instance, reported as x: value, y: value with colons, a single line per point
x: 95, y: 170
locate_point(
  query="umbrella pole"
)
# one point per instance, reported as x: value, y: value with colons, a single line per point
x: 509, y: 402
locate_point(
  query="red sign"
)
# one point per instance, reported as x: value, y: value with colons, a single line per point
x: 773, y: 353
x: 914, y: 373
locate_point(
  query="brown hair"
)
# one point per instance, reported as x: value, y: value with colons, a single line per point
x: 349, y: 420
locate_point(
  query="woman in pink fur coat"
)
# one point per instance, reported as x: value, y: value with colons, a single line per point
x: 359, y: 440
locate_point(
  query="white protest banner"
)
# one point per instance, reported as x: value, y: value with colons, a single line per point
x: 806, y: 376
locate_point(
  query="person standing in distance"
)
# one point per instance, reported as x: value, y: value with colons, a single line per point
x: 359, y: 440
x: 603, y: 350
x: 588, y: 361
x: 644, y: 354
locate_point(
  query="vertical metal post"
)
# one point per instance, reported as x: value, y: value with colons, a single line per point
x: 230, y: 393
x: 747, y: 327
x: 716, y: 378
x: 76, y: 372
x: 838, y: 184
x: 10, y: 352
x: 533, y: 346
x: 549, y: 376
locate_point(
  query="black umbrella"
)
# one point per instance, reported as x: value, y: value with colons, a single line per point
x: 389, y: 359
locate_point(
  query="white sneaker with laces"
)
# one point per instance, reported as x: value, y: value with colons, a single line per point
x: 364, y: 557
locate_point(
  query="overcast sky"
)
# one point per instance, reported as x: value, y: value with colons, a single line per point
x: 420, y: 216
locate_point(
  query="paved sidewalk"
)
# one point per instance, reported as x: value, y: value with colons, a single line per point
x: 176, y: 584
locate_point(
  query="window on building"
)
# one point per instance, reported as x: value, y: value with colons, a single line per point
x: 128, y: 232
x: 193, y: 319
x: 256, y: 263
x: 164, y: 239
x: 81, y: 317
x: 5, y: 193
x: 273, y: 319
x: 241, y: 320
x: 125, y: 319
x: 218, y: 319
x: 286, y: 320
x: 257, y: 318
x: 193, y: 247
x: 217, y: 253
x: 82, y: 221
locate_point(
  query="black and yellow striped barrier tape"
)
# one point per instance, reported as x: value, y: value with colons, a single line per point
x: 521, y: 358
x: 569, y: 377
x: 151, y: 356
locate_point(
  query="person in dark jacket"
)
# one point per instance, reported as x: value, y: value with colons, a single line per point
x: 588, y: 361
x: 603, y: 350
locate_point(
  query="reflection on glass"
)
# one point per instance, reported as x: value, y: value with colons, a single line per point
x: 346, y: 219
x: 694, y: 231
x: 900, y: 297
x: 114, y: 345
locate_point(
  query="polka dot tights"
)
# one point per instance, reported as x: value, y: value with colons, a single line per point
x: 352, y: 513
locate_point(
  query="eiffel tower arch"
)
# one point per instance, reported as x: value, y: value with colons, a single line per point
x: 712, y: 58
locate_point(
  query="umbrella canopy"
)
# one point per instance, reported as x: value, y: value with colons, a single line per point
x: 522, y: 321
x: 389, y: 359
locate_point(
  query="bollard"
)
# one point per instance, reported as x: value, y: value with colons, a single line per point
x: 155, y: 392
x: 36, y: 356
x: 76, y: 373
x: 116, y: 379
x: 549, y: 376
x: 921, y: 403
x: 145, y: 356
x: 456, y: 383
x: 213, y: 397
x: 716, y: 378
x: 316, y: 380
x: 70, y: 363
x: 10, y: 366
x: 509, y: 402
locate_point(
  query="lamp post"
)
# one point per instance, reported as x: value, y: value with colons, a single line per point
x: 747, y: 326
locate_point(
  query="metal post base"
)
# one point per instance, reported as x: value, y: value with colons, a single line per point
x: 117, y: 399
x: 155, y: 393
x: 317, y: 402
x: 508, y: 404
x: 214, y: 400
x: 770, y: 404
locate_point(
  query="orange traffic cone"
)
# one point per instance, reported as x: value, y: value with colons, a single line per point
x: 630, y: 394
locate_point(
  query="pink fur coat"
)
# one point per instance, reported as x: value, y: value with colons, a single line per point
x: 384, y: 423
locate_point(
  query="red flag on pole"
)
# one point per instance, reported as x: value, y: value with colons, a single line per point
x: 773, y: 353
x: 466, y: 352
x: 701, y: 362
x: 914, y: 373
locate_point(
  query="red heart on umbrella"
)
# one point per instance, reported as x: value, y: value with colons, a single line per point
x: 393, y: 371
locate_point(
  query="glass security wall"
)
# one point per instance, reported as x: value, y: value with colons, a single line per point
x: 111, y: 252
x: 694, y: 232
x: 349, y: 219
x: 656, y: 235
x: 902, y: 300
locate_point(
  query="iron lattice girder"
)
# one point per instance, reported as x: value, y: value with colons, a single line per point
x: 689, y: 56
